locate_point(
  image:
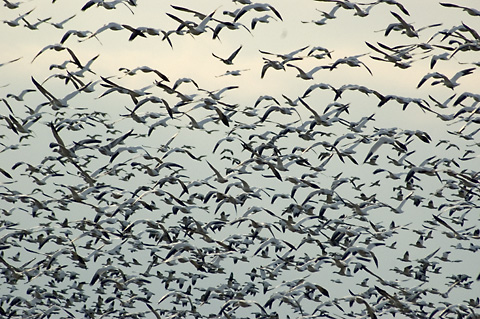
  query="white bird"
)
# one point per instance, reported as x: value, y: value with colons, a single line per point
x: 59, y: 25
x: 78, y: 33
x: 109, y: 26
x: 395, y: 3
x: 322, y: 86
x: 260, y: 7
x: 408, y: 28
x: 325, y: 51
x: 233, y: 73
x: 470, y: 11
x: 324, y: 118
x: 385, y: 140
x: 228, y: 25
x: 217, y: 95
x: 12, y: 5
x: 271, y: 64
x: 362, y: 12
x: 450, y: 83
x: 442, y: 56
x: 263, y: 19
x: 331, y: 14
x: 21, y: 95
x: 307, y: 75
x: 145, y: 69
x: 267, y: 98
x: 352, y: 61
x: 109, y: 5
x: 363, y: 251
x: 16, y: 22
x: 229, y: 60
x: 53, y: 101
x: 193, y: 28
x: 286, y: 57
x: 398, y: 209
x: 56, y: 47
x: 219, y: 177
x: 35, y: 25
x: 184, y: 80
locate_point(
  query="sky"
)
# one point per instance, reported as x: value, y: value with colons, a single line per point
x: 94, y: 226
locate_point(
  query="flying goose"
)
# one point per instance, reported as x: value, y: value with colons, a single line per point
x: 16, y: 22
x: 451, y: 83
x: 260, y: 7
x: 193, y: 28
x: 229, y: 60
x: 59, y: 25
x: 307, y: 75
x: 352, y: 61
x: 470, y: 11
x: 262, y: 19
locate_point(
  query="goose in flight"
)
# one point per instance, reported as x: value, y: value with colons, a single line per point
x: 395, y: 3
x: 233, y: 73
x: 362, y: 12
x: 307, y: 75
x: 57, y: 47
x: 143, y: 31
x: 331, y: 14
x: 184, y: 80
x: 324, y: 118
x: 228, y: 25
x: 322, y: 86
x: 145, y: 69
x: 287, y: 57
x: 59, y: 25
x: 196, y: 14
x: 386, y: 56
x: 408, y: 28
x: 20, y: 96
x: 78, y: 33
x: 35, y: 25
x: 282, y: 110
x: 219, y: 177
x: 451, y: 83
x: 259, y: 7
x: 193, y: 28
x: 277, y: 65
x: 267, y: 98
x: 109, y: 26
x: 12, y: 5
x: 262, y: 19
x: 229, y: 60
x: 352, y: 61
x: 325, y: 51
x: 385, y: 140
x: 52, y: 100
x: 109, y: 5
x: 471, y: 11
x: 442, y: 56
x: 16, y: 22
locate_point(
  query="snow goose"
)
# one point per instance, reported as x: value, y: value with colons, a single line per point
x: 16, y: 22
x: 229, y: 60
x: 263, y: 19
x: 451, y: 83
x: 352, y: 61
x: 470, y: 11
x: 260, y: 7
x: 307, y: 75
x: 59, y: 25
